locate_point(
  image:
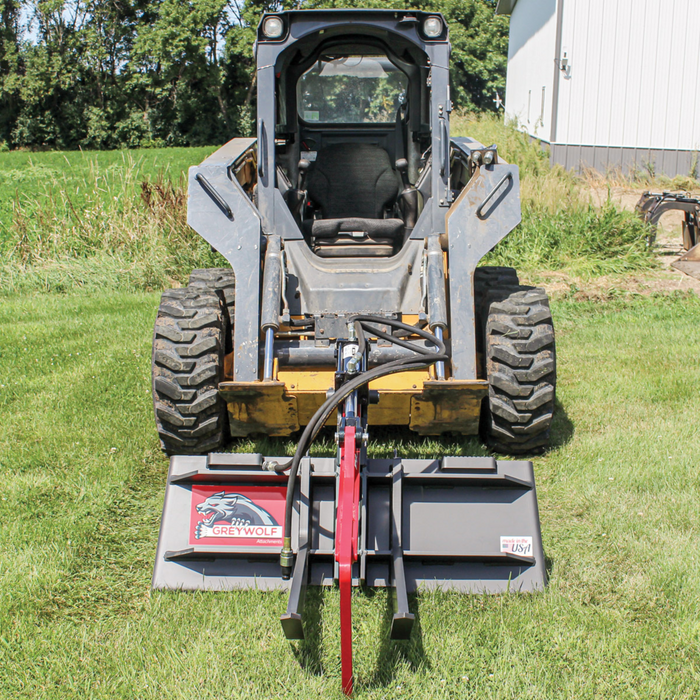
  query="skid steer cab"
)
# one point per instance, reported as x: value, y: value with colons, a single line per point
x: 353, y: 225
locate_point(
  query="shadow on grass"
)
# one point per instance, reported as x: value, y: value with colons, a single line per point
x: 309, y: 652
x: 393, y: 654
x: 385, y: 442
x: 389, y: 441
x: 548, y: 567
x: 562, y: 427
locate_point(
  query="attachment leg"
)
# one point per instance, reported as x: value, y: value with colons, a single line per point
x: 346, y: 546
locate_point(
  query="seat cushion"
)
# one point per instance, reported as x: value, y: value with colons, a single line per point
x: 356, y: 229
x: 353, y: 180
x: 354, y: 251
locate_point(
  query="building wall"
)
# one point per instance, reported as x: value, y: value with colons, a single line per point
x: 629, y: 96
x: 633, y: 79
x: 531, y: 66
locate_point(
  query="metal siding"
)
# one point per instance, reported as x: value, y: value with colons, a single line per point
x: 619, y: 78
x: 601, y: 85
x: 587, y: 157
x: 635, y: 74
x: 627, y: 160
x: 680, y: 36
x: 647, y: 37
x: 600, y: 159
x: 572, y: 106
x: 688, y: 112
x: 633, y: 22
x: 530, y: 58
x: 686, y: 160
x: 665, y: 96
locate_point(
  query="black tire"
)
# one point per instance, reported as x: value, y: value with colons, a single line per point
x: 217, y: 279
x: 488, y: 277
x: 188, y: 362
x: 520, y: 365
x: 487, y: 282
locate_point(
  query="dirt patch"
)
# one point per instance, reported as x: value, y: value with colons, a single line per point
x: 561, y: 285
x: 668, y: 234
x: 669, y: 247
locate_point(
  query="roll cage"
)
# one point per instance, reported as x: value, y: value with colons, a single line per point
x: 310, y: 34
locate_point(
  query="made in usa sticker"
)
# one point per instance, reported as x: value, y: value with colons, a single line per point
x: 522, y: 546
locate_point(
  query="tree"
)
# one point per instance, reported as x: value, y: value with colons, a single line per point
x: 9, y: 67
x: 111, y: 73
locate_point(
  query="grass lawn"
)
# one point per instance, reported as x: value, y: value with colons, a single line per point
x: 26, y: 175
x: 83, y: 483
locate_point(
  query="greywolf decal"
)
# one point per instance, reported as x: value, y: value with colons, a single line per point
x: 233, y: 508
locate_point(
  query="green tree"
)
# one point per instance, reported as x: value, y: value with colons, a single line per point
x: 9, y: 67
x: 479, y: 41
x: 110, y: 73
x: 52, y: 103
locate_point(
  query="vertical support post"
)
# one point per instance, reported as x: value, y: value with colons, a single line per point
x: 439, y: 366
x: 437, y: 303
x: 266, y: 135
x: 271, y: 299
x: 269, y: 354
x: 441, y: 106
x: 402, y: 621
x: 292, y: 622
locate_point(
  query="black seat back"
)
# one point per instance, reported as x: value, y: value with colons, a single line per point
x: 353, y: 180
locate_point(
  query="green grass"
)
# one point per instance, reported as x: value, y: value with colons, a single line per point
x: 83, y: 484
x: 25, y: 176
x: 561, y: 229
x: 71, y: 220
x: 102, y: 220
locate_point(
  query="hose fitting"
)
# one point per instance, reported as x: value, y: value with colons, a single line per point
x: 287, y: 558
x: 354, y: 363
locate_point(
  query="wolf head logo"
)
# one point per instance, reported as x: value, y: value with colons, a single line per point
x: 234, y: 508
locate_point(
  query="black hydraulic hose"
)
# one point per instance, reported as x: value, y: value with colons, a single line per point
x: 402, y: 326
x: 403, y: 343
x: 424, y: 358
x: 301, y: 322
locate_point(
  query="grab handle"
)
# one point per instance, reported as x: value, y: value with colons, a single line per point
x: 211, y: 191
x: 262, y: 150
x: 445, y: 143
x: 489, y: 196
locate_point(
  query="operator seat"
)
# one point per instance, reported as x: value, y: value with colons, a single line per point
x: 355, y: 187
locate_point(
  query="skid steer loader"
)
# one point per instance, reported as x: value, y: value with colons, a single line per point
x: 353, y: 225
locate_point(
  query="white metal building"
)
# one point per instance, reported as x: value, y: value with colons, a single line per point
x: 608, y: 83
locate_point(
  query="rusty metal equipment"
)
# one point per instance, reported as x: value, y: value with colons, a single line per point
x: 353, y: 225
x: 651, y: 207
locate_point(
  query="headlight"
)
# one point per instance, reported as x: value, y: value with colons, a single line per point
x: 488, y: 157
x: 432, y: 27
x: 273, y: 27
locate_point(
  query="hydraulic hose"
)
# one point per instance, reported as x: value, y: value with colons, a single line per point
x: 424, y: 358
